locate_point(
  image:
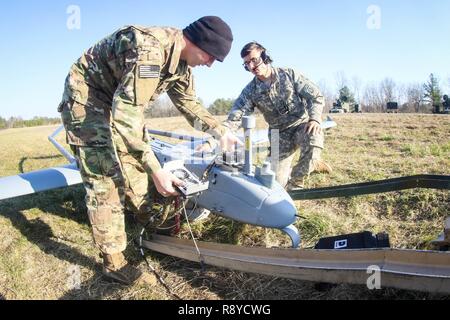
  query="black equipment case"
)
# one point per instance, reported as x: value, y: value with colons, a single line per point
x: 359, y: 240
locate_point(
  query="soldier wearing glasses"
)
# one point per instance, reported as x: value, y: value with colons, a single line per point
x: 291, y: 104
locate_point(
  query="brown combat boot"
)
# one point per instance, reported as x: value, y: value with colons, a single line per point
x: 321, y: 166
x: 296, y: 183
x: 115, y: 267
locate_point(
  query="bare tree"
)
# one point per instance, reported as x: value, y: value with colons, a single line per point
x: 373, y: 100
x: 327, y: 94
x: 387, y: 87
x: 401, y: 92
x: 356, y: 87
x: 447, y: 86
x: 340, y: 79
x: 414, y: 95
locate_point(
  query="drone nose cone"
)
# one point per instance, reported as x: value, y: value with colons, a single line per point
x: 278, y: 211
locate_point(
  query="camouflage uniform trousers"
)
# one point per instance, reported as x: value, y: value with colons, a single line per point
x: 290, y: 140
x: 114, y: 179
x: 112, y: 185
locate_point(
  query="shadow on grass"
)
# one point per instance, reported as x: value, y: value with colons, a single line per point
x: 22, y: 161
x: 66, y: 203
x: 38, y: 232
x: 98, y: 287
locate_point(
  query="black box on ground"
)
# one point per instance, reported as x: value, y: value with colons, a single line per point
x: 358, y: 240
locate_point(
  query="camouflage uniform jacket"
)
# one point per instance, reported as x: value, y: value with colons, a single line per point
x: 290, y: 100
x: 112, y: 83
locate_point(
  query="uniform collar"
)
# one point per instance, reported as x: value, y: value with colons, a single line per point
x: 274, y: 76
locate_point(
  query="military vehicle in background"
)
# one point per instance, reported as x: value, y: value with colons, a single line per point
x: 345, y: 107
x: 392, y: 107
x: 339, y: 107
x: 445, y: 104
x: 345, y: 103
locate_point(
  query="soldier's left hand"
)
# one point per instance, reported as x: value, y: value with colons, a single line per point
x: 313, y: 127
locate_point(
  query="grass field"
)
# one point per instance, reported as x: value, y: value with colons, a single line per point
x: 46, y: 243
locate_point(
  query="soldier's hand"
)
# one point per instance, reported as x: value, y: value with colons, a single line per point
x: 165, y: 182
x: 228, y: 142
x: 313, y: 127
x: 208, y: 146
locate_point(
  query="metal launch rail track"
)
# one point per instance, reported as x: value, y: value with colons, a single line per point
x: 404, y: 269
x: 399, y: 268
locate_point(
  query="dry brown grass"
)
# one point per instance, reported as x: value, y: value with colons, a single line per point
x: 44, y: 236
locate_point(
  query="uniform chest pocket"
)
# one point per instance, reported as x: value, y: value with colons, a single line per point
x: 264, y: 103
x: 288, y: 101
x: 284, y: 107
x: 291, y: 104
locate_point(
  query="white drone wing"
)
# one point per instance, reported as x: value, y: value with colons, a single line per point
x: 39, y: 180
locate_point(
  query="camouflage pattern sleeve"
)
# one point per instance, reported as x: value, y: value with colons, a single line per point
x: 311, y: 94
x: 183, y: 96
x: 138, y: 83
x: 243, y: 106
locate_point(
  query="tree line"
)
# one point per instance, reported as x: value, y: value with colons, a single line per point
x: 373, y: 97
x: 412, y: 97
x: 163, y: 107
x: 18, y: 122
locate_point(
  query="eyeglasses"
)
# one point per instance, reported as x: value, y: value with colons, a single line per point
x: 255, y: 61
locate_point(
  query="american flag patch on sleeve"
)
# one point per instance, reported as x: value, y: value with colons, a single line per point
x: 148, y: 71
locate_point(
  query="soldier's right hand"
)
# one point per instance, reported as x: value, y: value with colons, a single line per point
x: 312, y: 127
x: 165, y: 182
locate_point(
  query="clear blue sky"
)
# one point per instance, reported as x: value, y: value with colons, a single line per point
x: 318, y: 38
